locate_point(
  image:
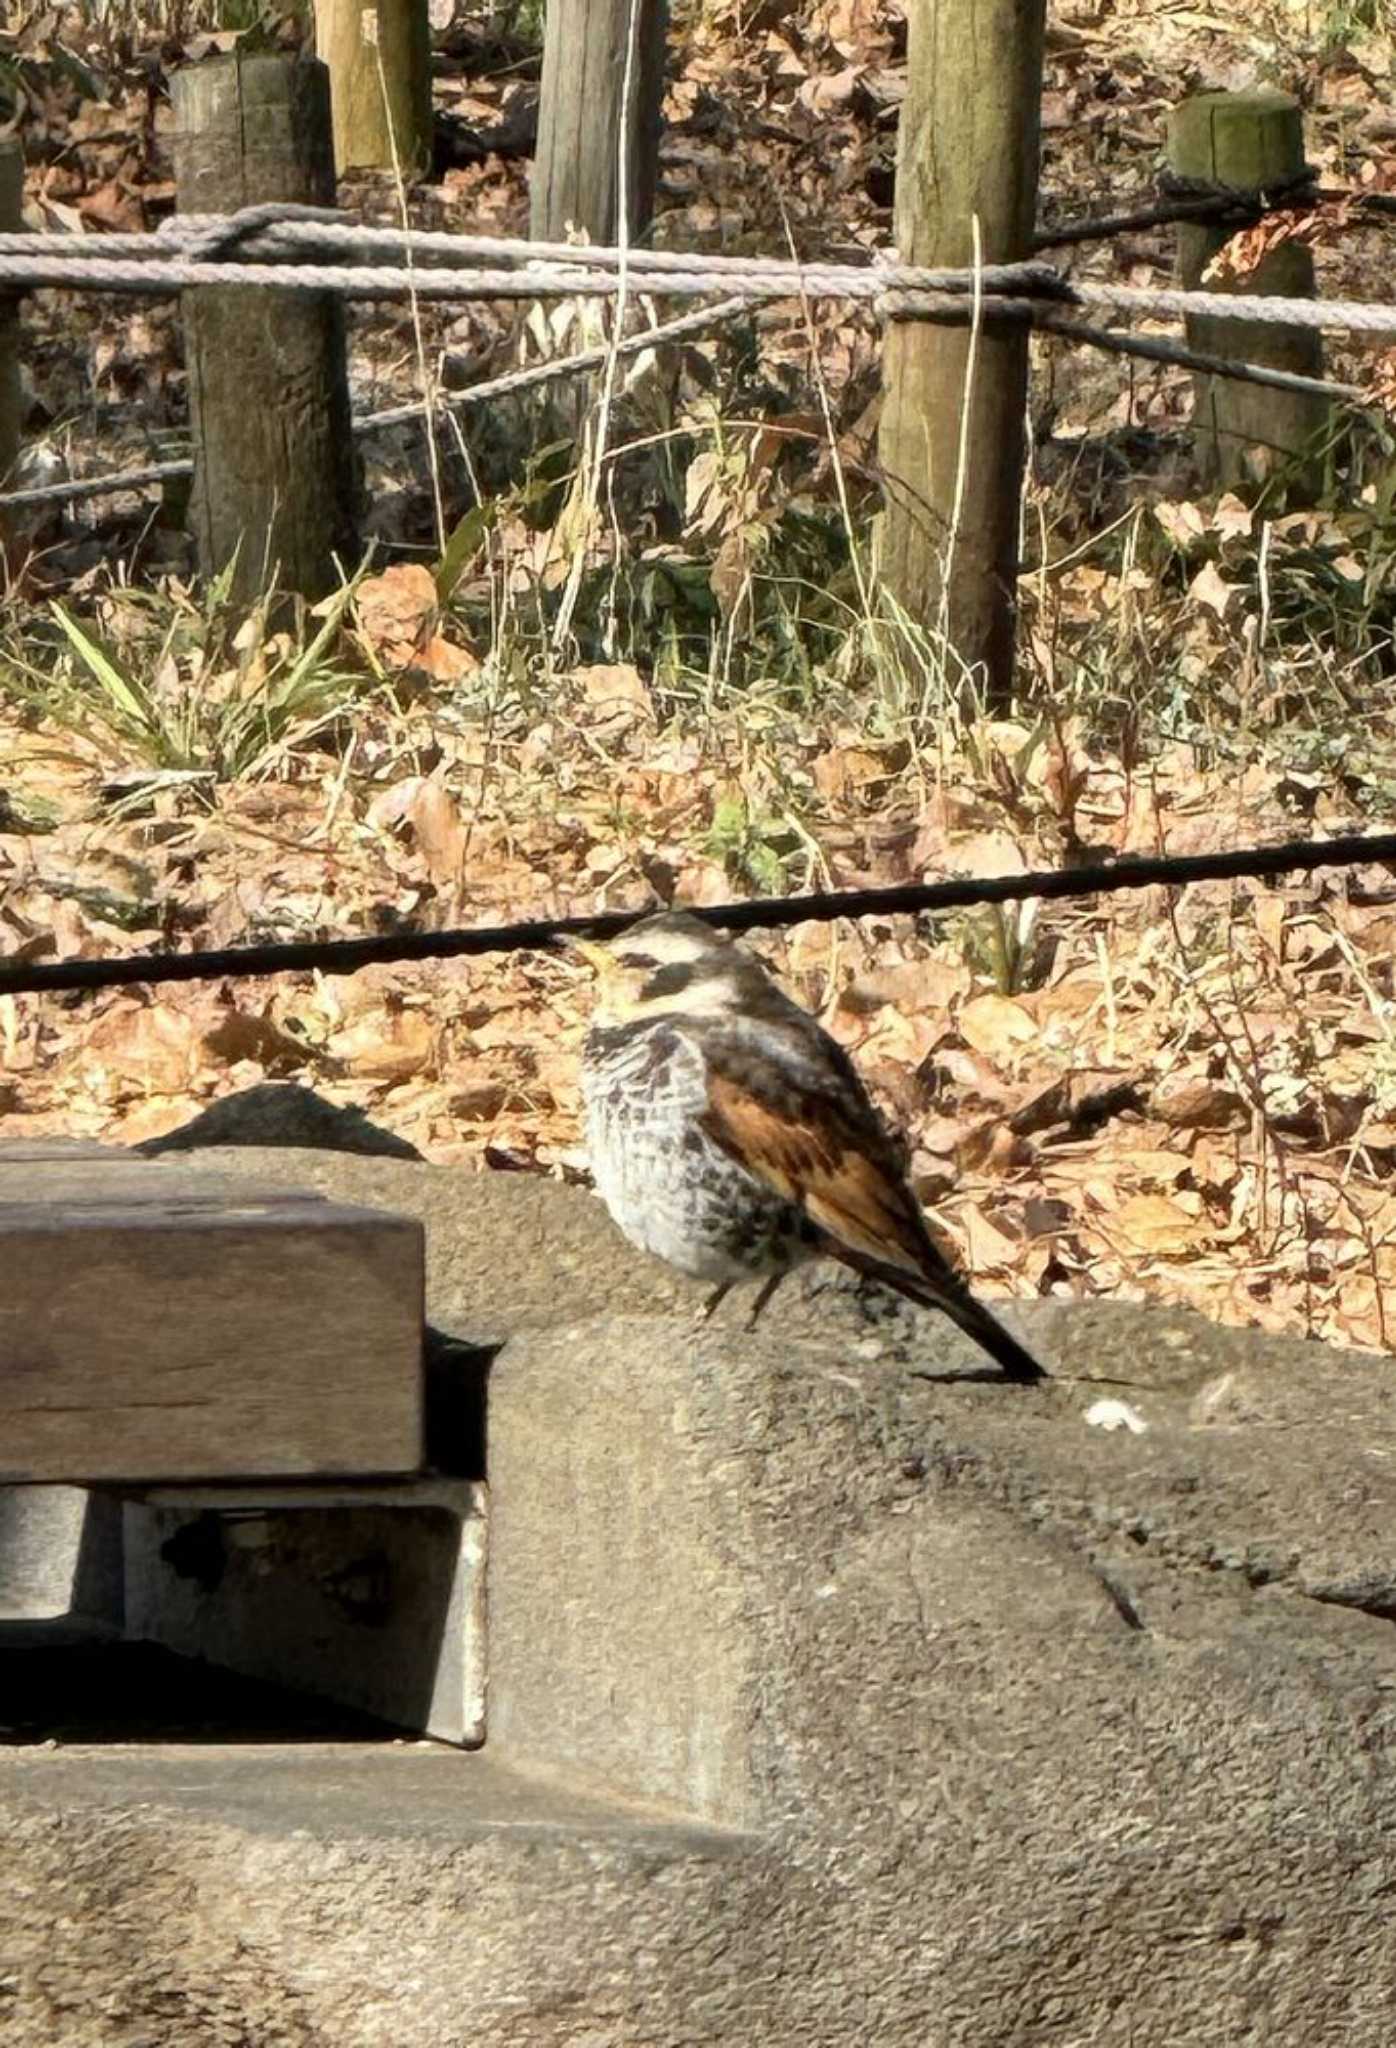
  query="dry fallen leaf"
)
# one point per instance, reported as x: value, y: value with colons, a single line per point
x: 990, y: 1249
x: 996, y: 1026
x: 1211, y: 588
x: 1196, y: 1102
x: 1182, y: 521
x: 420, y: 804
x: 396, y: 612
x: 444, y: 662
x: 386, y: 1048
x: 1379, y: 383
x: 1248, y: 248
x: 614, y: 697
x: 149, y: 1044
x: 1231, y: 518
x: 1159, y: 1223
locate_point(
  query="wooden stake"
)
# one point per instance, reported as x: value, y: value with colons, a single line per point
x: 583, y: 112
x: 1253, y: 141
x: 951, y: 437
x: 274, y: 470
x: 379, y: 58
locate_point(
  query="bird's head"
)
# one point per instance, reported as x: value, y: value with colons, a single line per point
x: 672, y: 962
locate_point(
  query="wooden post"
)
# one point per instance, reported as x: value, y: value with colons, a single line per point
x: 274, y: 471
x: 11, y: 398
x: 951, y: 438
x: 583, y: 112
x: 379, y: 58
x: 1255, y: 142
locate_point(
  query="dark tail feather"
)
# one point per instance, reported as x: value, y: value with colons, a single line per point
x: 990, y: 1335
x: 953, y: 1299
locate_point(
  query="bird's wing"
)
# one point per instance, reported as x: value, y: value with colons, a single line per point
x: 816, y: 1140
x: 807, y: 1130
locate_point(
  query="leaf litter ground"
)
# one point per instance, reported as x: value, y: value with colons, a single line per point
x: 1191, y: 1101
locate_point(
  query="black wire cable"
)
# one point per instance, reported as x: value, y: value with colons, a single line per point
x: 347, y: 956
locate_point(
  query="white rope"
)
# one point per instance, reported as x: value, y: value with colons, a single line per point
x: 39, y: 264
x: 1348, y: 316
x: 1354, y: 316
x: 84, y: 264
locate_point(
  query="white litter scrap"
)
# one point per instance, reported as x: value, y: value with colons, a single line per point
x: 1116, y: 1415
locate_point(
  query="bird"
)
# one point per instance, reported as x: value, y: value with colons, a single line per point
x: 732, y: 1137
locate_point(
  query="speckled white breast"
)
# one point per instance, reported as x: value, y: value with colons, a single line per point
x: 669, y: 1188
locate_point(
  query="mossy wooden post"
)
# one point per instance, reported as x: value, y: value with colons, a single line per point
x: 951, y: 439
x: 1253, y: 141
x: 274, y: 472
x: 379, y: 58
x: 11, y: 400
x: 583, y: 112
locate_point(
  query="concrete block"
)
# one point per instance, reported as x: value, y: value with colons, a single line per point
x: 834, y: 1697
x: 60, y: 1554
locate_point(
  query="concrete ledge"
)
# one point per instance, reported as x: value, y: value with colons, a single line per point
x: 324, y: 1898
x: 369, y: 1594
x: 346, y: 1793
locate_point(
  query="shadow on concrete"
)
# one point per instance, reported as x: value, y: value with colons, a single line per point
x: 282, y: 1113
x: 59, y: 1685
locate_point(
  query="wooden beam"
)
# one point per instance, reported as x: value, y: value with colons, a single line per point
x: 585, y: 110
x: 161, y: 1322
x: 379, y: 58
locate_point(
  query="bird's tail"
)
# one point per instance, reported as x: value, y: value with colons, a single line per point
x: 944, y: 1290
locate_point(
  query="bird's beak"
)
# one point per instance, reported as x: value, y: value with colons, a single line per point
x: 589, y: 953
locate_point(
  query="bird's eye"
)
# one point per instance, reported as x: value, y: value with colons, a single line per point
x: 641, y: 961
x: 668, y: 981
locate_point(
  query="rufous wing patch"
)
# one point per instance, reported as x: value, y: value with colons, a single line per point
x: 816, y: 1160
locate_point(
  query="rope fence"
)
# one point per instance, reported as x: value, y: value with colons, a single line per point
x: 300, y: 248
x: 305, y: 248
x: 772, y: 913
x: 434, y: 274
x: 1194, y: 201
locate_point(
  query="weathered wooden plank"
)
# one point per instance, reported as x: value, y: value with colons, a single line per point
x: 161, y: 1322
x: 591, y: 97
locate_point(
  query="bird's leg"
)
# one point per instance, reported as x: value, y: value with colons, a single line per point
x: 715, y: 1300
x: 764, y: 1296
